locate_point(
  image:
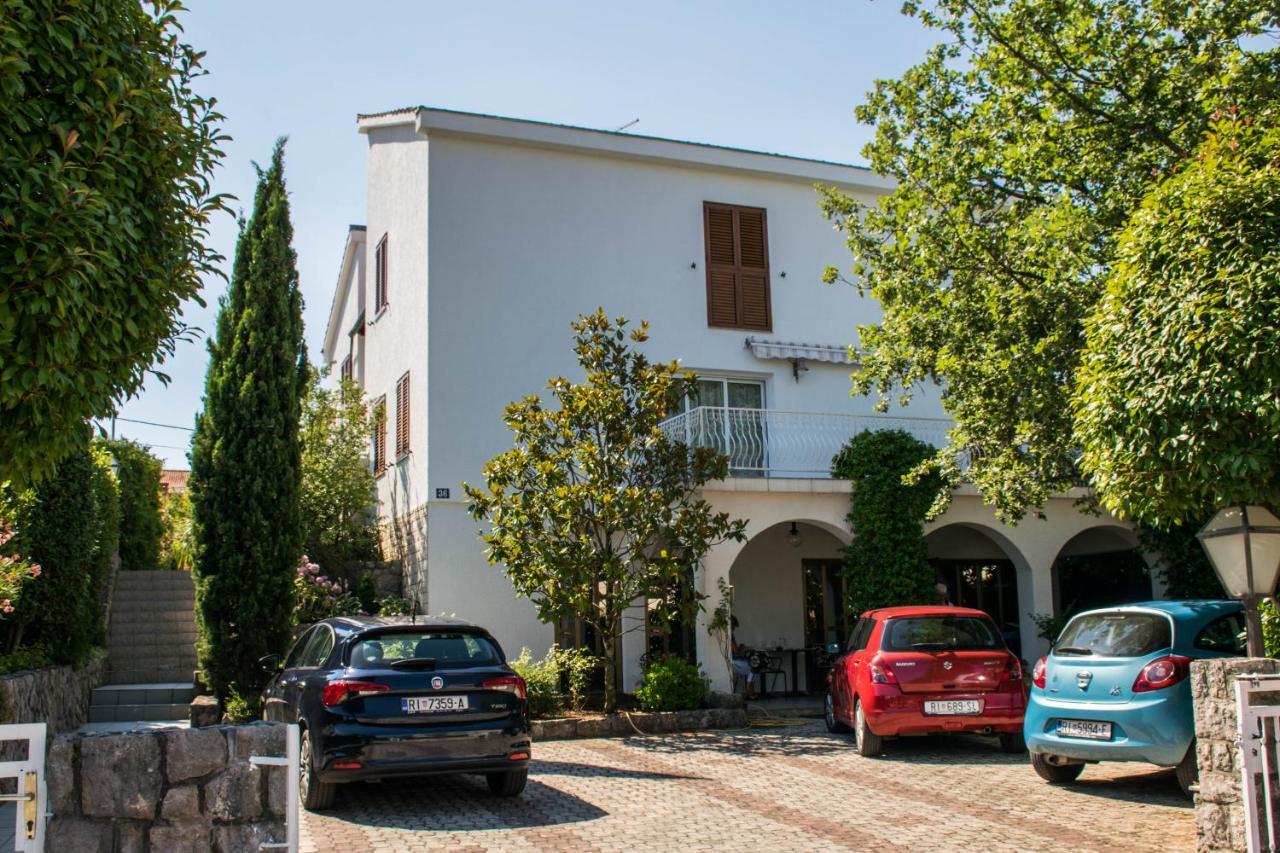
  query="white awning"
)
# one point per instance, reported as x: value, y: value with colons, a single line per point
x: 787, y: 350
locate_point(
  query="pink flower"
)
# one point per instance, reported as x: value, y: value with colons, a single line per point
x: 4, y: 603
x: 8, y: 608
x: 35, y: 570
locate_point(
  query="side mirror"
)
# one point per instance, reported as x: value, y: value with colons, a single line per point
x: 270, y: 663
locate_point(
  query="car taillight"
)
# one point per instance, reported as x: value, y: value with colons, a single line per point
x: 509, y: 683
x: 337, y: 692
x: 1038, y: 672
x: 880, y: 672
x: 1013, y: 669
x: 1161, y: 673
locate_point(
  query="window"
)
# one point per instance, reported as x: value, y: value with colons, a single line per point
x: 737, y: 267
x: 1116, y: 635
x: 435, y: 649
x: 737, y: 430
x: 1224, y: 635
x: 939, y: 633
x: 380, y: 278
x: 318, y: 647
x: 346, y: 371
x: 296, y: 652
x: 402, y: 416
x: 379, y: 435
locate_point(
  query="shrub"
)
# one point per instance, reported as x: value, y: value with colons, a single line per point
x: 367, y: 593
x: 241, y: 708
x: 141, y: 527
x: 319, y: 597
x: 542, y: 682
x: 178, y: 545
x: 35, y: 656
x: 393, y: 605
x: 672, y: 684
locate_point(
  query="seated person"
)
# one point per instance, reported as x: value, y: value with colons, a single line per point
x: 738, y: 656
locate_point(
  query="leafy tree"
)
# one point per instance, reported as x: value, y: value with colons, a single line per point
x: 177, y: 545
x: 141, y: 524
x: 106, y: 488
x: 1020, y: 147
x: 245, y: 457
x: 104, y: 205
x: 595, y: 508
x: 337, y: 499
x: 1181, y: 561
x: 888, y: 563
x: 1176, y: 403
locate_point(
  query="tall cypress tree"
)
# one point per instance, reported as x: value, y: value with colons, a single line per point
x: 245, y: 457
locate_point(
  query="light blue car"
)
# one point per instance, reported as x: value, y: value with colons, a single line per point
x: 1114, y: 686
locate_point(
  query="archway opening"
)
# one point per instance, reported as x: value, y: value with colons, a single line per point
x: 1099, y: 567
x: 974, y: 570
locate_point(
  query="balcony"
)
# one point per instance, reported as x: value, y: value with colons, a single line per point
x: 770, y: 443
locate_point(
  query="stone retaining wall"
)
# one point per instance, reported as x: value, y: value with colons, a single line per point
x: 1219, y: 803
x: 58, y: 695
x: 619, y: 725
x: 172, y: 790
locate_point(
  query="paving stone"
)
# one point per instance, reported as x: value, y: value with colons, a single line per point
x: 789, y: 789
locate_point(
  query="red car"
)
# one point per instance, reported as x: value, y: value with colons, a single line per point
x: 926, y: 670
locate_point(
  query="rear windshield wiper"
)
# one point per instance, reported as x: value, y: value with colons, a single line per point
x: 414, y: 663
x: 938, y: 646
x: 1072, y: 650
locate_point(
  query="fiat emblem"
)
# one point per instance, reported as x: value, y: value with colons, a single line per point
x: 946, y: 664
x: 437, y: 683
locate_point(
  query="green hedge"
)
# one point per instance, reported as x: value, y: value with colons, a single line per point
x: 672, y: 684
x: 888, y: 562
x: 141, y: 526
x: 59, y: 525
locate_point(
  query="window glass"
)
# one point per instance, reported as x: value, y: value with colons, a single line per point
x: 860, y: 634
x: 746, y: 395
x: 318, y: 647
x: 1117, y: 634
x: 448, y: 649
x: 295, y: 652
x: 940, y: 633
x: 1224, y: 635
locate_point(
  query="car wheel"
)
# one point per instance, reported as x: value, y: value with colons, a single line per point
x: 867, y: 742
x: 829, y: 714
x: 1056, y: 774
x: 314, y: 794
x: 508, y: 784
x: 1188, y: 773
x: 1012, y: 742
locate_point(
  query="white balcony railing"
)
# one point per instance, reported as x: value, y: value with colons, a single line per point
x: 770, y: 443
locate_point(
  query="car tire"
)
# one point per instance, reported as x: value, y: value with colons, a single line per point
x: 829, y: 716
x: 1012, y: 742
x: 1188, y: 772
x: 315, y: 795
x: 508, y: 784
x: 867, y: 742
x: 1055, y: 774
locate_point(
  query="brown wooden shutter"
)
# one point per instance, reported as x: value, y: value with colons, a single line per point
x: 402, y: 416
x: 380, y: 435
x: 737, y: 267
x: 381, y: 279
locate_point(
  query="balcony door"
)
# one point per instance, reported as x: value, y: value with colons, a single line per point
x: 737, y: 429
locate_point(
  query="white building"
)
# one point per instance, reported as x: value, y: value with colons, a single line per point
x: 486, y: 236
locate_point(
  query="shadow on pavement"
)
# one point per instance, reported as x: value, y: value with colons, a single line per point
x: 596, y: 771
x: 456, y: 804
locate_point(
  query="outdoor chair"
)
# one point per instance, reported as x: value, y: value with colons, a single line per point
x: 764, y: 665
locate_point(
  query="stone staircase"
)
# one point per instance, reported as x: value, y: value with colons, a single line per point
x: 151, y: 650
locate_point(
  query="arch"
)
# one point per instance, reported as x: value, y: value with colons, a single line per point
x: 1100, y: 566
x: 981, y: 568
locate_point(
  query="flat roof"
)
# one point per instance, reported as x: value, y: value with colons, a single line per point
x: 426, y: 119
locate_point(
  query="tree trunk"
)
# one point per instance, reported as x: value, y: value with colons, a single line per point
x: 609, y: 634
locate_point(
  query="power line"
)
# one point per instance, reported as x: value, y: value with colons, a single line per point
x: 154, y: 424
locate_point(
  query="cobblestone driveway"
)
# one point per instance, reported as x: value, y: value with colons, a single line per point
x: 767, y: 789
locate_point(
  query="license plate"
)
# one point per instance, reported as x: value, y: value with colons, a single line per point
x: 954, y: 706
x: 1084, y: 728
x: 433, y: 704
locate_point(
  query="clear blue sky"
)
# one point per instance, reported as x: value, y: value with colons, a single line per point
x: 781, y: 77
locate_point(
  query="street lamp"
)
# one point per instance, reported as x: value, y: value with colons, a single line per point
x: 1243, y: 543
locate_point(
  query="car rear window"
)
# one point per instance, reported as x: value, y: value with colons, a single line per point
x: 449, y: 649
x: 1117, y: 635
x: 937, y: 633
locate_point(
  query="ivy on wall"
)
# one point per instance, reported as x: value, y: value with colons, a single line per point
x: 887, y: 564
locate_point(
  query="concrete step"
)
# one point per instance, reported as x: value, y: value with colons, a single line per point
x: 149, y: 674
x: 153, y: 616
x: 129, y: 713
x: 164, y: 693
x: 157, y: 634
x: 176, y: 578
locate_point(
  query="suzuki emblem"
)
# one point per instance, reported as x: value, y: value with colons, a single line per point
x: 946, y: 664
x: 1083, y: 677
x: 437, y: 683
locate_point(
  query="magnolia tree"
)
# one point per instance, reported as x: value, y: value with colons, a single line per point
x: 595, y: 508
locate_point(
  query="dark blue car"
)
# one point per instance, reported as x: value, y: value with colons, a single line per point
x: 377, y: 698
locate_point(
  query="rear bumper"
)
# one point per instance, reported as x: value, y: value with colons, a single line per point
x: 1156, y: 731
x: 387, y: 751
x: 890, y: 712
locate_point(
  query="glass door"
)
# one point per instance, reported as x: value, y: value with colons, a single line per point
x: 826, y: 618
x: 736, y: 428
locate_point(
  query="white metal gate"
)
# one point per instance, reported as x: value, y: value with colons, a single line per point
x: 30, y: 801
x: 1259, y: 732
x: 290, y: 762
